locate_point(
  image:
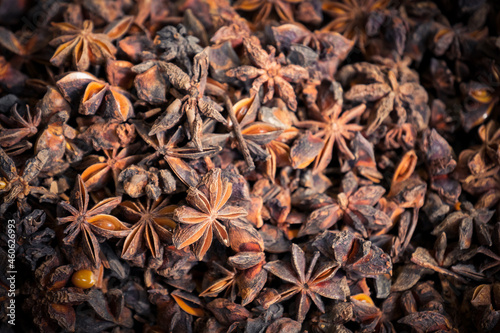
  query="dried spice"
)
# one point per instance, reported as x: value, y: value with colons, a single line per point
x: 344, y: 153
x: 209, y: 200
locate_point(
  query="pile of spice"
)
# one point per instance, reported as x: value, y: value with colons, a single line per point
x: 258, y: 166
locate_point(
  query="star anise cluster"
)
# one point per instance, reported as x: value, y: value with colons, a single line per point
x: 250, y: 166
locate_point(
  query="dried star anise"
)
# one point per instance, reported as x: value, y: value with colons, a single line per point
x: 193, y: 104
x: 84, y: 46
x: 209, y: 200
x: 334, y: 127
x: 271, y: 71
x: 310, y: 283
x: 354, y: 205
x: 15, y: 184
x: 152, y: 225
x: 283, y: 8
x: 93, y: 225
x: 16, y: 127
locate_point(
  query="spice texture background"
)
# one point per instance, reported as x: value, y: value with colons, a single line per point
x: 257, y: 166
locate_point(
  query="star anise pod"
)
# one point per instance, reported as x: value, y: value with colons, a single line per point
x: 97, y: 174
x: 334, y: 127
x: 50, y: 301
x: 283, y: 8
x: 93, y: 225
x: 481, y: 98
x: 94, y: 94
x: 17, y: 127
x: 15, y: 184
x: 152, y: 225
x: 357, y: 257
x: 310, y: 283
x: 353, y: 17
x: 457, y: 41
x: 354, y: 205
x: 209, y: 200
x: 322, y: 42
x: 481, y: 159
x: 178, y: 46
x: 193, y: 104
x: 84, y: 46
x: 464, y: 222
x: 167, y: 147
x: 271, y: 71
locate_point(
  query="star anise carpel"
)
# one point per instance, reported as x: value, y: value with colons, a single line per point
x: 206, y: 214
x: 319, y: 279
x: 270, y: 71
x: 93, y: 225
x: 96, y: 95
x: 466, y: 222
x: 152, y: 227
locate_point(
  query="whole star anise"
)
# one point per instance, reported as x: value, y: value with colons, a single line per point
x: 193, y: 104
x: 351, y: 17
x: 209, y: 200
x: 271, y: 71
x: 355, y: 205
x: 311, y: 283
x: 15, y: 184
x: 151, y: 229
x: 84, y: 46
x: 93, y: 225
x: 283, y: 8
x: 334, y: 128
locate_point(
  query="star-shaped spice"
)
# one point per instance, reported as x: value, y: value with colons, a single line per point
x: 193, y: 104
x: 354, y: 205
x: 335, y: 128
x: 151, y: 229
x: 283, y: 8
x: 15, y: 184
x: 93, y: 224
x: 270, y: 71
x: 97, y: 174
x: 84, y: 46
x: 178, y: 45
x: 464, y: 222
x: 17, y: 127
x: 209, y: 200
x: 353, y: 17
x: 311, y: 283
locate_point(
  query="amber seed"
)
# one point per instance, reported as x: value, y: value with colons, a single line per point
x: 83, y: 278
